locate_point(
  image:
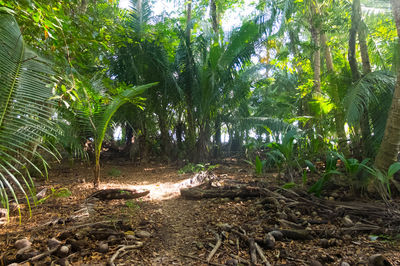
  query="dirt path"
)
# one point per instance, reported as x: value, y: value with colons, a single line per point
x: 177, y: 227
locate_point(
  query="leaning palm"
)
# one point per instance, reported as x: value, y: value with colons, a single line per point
x: 25, y: 87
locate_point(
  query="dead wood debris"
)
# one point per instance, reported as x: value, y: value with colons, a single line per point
x: 115, y: 193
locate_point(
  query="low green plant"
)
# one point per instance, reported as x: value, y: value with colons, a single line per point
x: 382, y: 180
x: 195, y: 168
x: 258, y: 165
x: 330, y: 170
x: 56, y: 193
x: 114, y: 172
x: 133, y: 206
x: 283, y: 155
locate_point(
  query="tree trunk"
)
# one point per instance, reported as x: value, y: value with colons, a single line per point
x: 390, y: 146
x: 362, y: 39
x: 339, y: 114
x: 214, y: 16
x: 315, y: 35
x: 217, y: 136
x: 364, y: 121
x: 96, y: 170
x: 191, y: 130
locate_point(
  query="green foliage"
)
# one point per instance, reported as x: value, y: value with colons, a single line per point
x: 382, y: 180
x: 56, y: 193
x: 191, y: 168
x: 114, y: 172
x: 133, y: 207
x: 196, y: 168
x: 25, y: 111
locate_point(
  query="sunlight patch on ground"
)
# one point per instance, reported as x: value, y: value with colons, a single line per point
x: 158, y: 191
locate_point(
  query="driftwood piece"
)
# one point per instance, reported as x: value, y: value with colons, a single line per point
x: 223, y: 192
x: 115, y: 193
x: 216, y: 247
x: 122, y: 249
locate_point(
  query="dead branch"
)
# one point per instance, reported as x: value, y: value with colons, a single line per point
x: 216, y: 247
x: 262, y: 256
x: 115, y: 193
x: 121, y: 249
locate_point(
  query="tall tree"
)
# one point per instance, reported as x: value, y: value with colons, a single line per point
x: 390, y: 146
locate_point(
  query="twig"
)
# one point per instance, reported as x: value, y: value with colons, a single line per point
x: 262, y: 256
x: 253, y: 252
x: 199, y: 259
x: 123, y: 248
x: 240, y: 260
x: 40, y: 256
x: 216, y: 247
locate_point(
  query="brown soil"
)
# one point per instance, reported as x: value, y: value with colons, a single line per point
x: 181, y: 230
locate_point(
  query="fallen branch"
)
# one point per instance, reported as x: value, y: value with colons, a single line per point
x: 216, y: 247
x: 40, y: 256
x: 262, y: 256
x: 116, y: 193
x: 200, y: 259
x: 121, y: 249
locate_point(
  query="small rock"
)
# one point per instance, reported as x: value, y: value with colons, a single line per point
x: 331, y: 198
x: 269, y: 241
x: 103, y: 247
x: 314, y: 214
x: 315, y: 263
x: 347, y: 221
x: 142, y: 234
x: 378, y: 260
x: 297, y: 213
x: 26, y: 253
x: 199, y: 245
x: 63, y: 262
x: 77, y: 245
x: 52, y: 243
x: 63, y: 251
x: 277, y: 235
x: 231, y: 262
x: 22, y: 243
x: 343, y: 263
x: 324, y: 243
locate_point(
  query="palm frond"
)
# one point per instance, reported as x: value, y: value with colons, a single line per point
x: 25, y: 109
x: 366, y: 91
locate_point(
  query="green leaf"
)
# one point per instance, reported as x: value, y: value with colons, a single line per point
x: 394, y: 168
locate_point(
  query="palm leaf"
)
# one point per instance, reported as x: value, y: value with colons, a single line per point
x: 25, y: 110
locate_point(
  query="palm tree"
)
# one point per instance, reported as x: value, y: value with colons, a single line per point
x: 390, y: 146
x: 25, y: 109
x: 92, y: 114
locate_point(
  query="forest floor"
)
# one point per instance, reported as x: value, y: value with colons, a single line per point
x: 178, y: 231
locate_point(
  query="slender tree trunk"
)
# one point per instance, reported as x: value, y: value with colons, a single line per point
x: 315, y: 35
x: 362, y: 39
x: 339, y: 114
x: 390, y: 146
x: 355, y: 28
x: 96, y: 170
x: 214, y: 16
x: 355, y: 21
x: 191, y: 130
x: 217, y: 136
